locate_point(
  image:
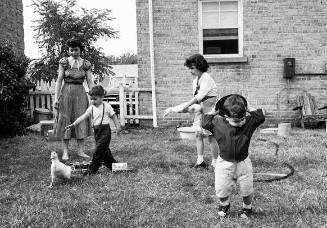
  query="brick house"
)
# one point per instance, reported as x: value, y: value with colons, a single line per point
x: 245, y: 43
x: 11, y: 20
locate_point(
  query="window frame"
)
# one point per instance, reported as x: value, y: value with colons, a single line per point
x: 240, y: 30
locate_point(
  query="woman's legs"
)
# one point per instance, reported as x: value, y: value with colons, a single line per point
x: 65, y: 144
x: 80, y: 144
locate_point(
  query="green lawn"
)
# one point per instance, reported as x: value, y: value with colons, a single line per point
x: 165, y: 192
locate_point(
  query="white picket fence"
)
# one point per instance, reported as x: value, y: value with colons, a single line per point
x: 125, y: 97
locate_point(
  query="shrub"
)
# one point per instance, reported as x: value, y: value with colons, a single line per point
x: 14, y: 89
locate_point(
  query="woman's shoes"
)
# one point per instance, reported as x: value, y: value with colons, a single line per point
x: 65, y: 156
x: 83, y: 155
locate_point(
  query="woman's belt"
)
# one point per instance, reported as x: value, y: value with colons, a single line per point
x: 73, y: 82
x: 206, y: 98
x: 101, y: 125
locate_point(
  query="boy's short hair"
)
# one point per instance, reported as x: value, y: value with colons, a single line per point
x: 198, y: 61
x: 97, y: 91
x: 235, y: 107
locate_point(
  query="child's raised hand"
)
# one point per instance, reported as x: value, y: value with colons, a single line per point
x: 69, y: 126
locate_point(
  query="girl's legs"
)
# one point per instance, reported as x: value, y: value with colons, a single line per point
x: 199, y: 149
x: 199, y: 138
x: 80, y: 144
x: 65, y: 144
x: 214, y: 149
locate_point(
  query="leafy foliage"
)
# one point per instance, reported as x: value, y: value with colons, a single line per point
x: 13, y: 90
x: 60, y: 21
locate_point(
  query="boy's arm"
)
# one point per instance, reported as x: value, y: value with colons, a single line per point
x: 258, y: 115
x: 79, y: 119
x: 110, y: 111
x: 116, y: 122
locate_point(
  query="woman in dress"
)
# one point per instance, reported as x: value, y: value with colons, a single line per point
x: 70, y: 99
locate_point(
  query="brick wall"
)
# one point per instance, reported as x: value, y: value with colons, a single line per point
x: 11, y: 20
x: 273, y: 30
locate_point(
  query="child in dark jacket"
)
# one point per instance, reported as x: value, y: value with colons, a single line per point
x: 233, y: 130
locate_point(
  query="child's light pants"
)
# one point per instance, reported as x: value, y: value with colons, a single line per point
x: 228, y: 173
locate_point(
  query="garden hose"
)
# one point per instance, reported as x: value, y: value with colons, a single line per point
x: 278, y: 176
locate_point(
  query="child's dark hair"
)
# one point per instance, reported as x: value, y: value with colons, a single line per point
x: 97, y: 91
x: 235, y: 107
x: 198, y: 61
x: 73, y: 42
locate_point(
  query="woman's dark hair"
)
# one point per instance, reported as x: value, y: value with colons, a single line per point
x: 73, y: 42
x: 97, y: 91
x: 198, y: 61
x: 235, y: 107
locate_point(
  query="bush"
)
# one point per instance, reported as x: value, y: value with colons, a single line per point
x: 14, y: 89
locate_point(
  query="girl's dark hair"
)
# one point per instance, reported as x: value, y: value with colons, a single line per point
x: 198, y: 61
x: 73, y: 42
x: 235, y: 107
x: 97, y: 91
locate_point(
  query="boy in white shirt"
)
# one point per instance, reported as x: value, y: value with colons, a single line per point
x: 100, y: 113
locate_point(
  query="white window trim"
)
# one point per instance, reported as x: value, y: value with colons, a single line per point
x: 240, y: 31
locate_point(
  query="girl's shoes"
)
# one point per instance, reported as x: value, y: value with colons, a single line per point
x: 201, y: 165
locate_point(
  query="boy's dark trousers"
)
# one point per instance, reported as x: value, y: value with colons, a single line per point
x: 102, y: 154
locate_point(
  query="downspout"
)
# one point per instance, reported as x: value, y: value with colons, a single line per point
x: 153, y: 80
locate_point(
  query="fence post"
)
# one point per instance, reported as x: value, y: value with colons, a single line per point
x: 121, y: 104
x: 131, y: 105
x: 31, y: 97
x: 43, y: 101
x: 136, y: 86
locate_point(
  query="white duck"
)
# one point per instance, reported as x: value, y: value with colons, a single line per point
x: 58, y: 169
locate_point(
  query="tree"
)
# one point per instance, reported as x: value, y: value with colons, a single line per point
x: 13, y: 90
x: 60, y: 21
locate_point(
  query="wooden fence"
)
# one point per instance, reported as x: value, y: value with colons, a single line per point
x: 125, y: 99
x: 129, y: 104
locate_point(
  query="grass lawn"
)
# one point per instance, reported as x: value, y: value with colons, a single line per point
x: 165, y: 192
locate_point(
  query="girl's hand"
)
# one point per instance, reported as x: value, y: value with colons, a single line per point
x: 175, y: 109
x: 118, y: 130
x: 55, y: 104
x: 69, y: 126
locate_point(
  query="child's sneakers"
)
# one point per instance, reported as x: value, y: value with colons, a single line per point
x: 222, y: 210
x: 246, y: 213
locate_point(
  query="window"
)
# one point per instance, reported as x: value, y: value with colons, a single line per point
x: 221, y: 28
